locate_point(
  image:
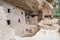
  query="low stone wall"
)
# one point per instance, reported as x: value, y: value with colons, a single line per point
x: 27, y: 31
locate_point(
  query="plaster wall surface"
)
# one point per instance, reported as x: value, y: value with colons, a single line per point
x: 14, y: 16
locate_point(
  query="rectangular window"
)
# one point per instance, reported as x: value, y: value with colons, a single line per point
x: 8, y: 10
x: 19, y: 20
x: 22, y: 13
x: 8, y: 22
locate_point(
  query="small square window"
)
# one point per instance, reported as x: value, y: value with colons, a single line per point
x: 19, y: 20
x: 28, y: 17
x: 8, y: 22
x: 22, y: 13
x: 8, y: 10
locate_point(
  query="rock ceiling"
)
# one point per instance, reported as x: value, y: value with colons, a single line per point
x: 29, y: 5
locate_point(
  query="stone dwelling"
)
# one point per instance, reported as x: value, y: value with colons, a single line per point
x: 17, y: 20
x: 24, y: 18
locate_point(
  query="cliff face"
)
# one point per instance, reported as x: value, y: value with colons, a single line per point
x: 31, y: 5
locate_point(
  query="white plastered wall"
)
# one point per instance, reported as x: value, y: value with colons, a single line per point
x: 14, y: 16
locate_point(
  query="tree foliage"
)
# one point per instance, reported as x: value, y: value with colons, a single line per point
x: 57, y: 12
